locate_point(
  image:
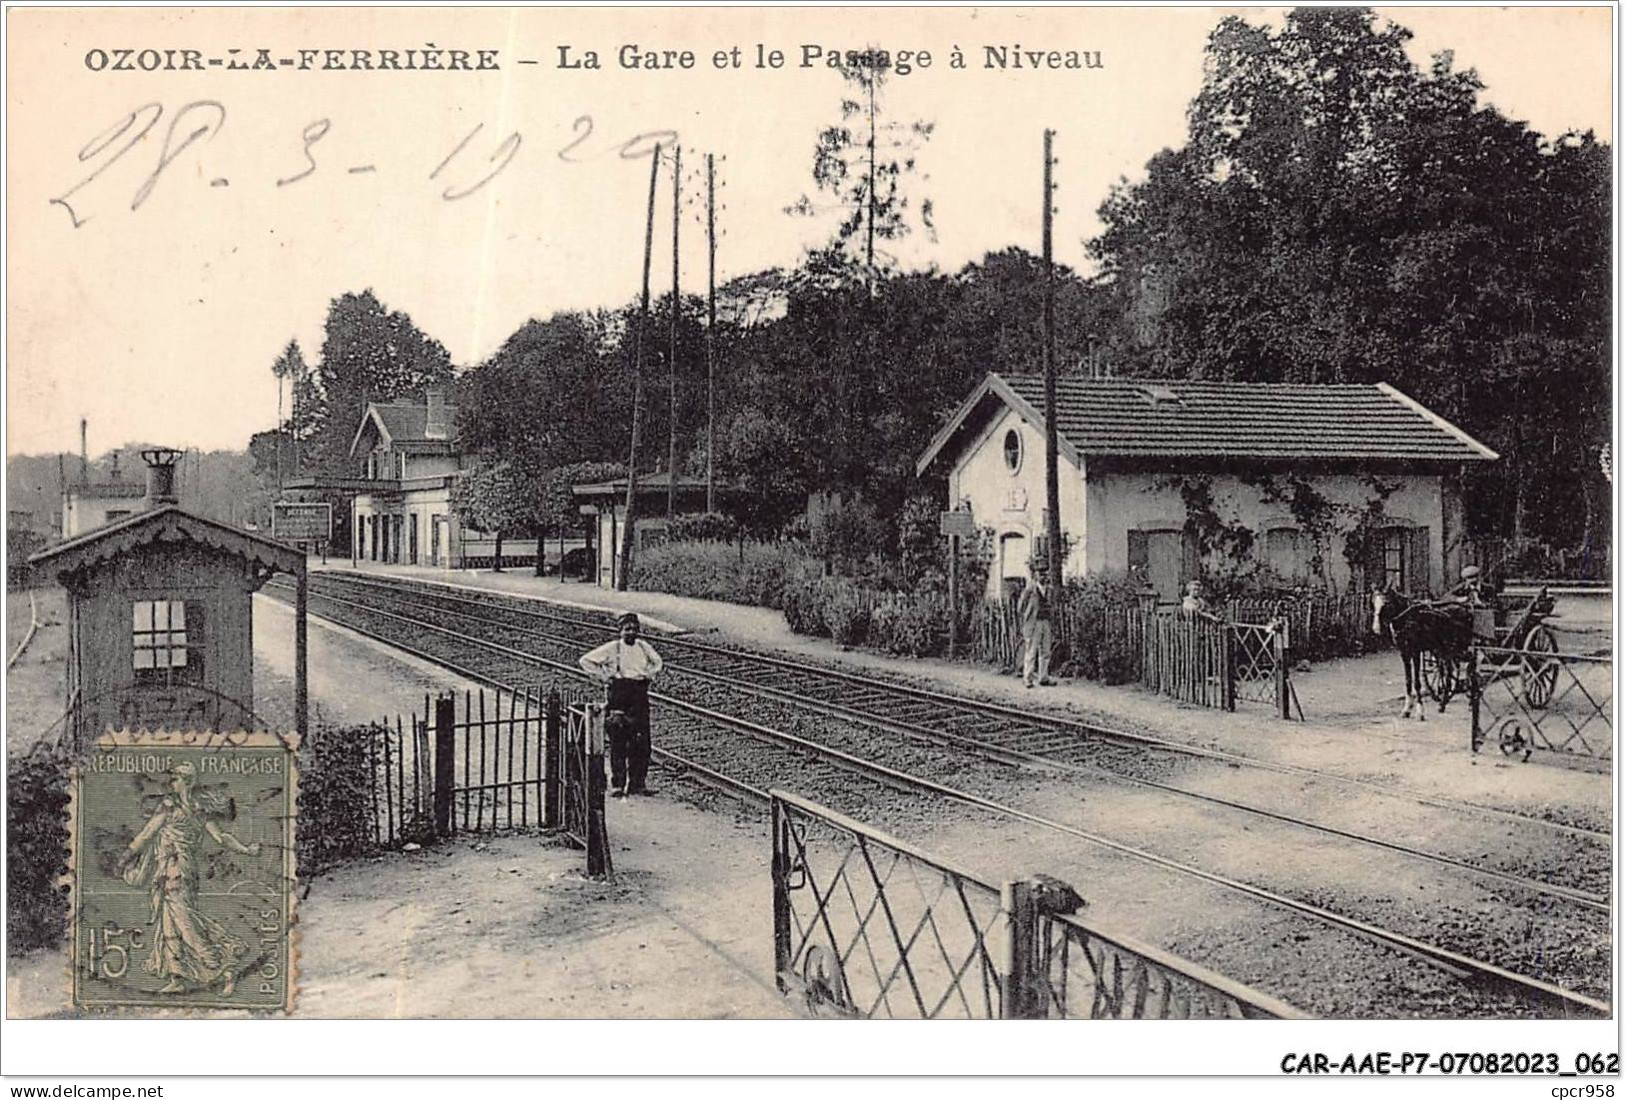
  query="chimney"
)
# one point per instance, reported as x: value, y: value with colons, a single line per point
x: 161, y: 476
x: 435, y: 426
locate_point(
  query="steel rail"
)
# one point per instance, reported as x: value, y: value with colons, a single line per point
x: 1023, y: 758
x: 1084, y: 729
x: 1463, y: 967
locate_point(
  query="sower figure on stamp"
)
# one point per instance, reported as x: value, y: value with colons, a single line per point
x: 188, y: 945
x: 1037, y: 636
x: 626, y: 666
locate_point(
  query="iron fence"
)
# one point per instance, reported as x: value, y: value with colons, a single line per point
x: 1540, y: 699
x: 498, y: 757
x: 867, y: 926
x: 1092, y: 976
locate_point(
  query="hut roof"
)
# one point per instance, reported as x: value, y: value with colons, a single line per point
x: 166, y: 524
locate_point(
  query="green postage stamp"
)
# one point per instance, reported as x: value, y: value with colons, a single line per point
x: 183, y: 871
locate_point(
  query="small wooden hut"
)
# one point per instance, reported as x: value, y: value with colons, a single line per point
x: 160, y: 607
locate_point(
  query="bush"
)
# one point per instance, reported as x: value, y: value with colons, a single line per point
x: 848, y: 535
x: 335, y: 795
x: 845, y: 611
x: 753, y: 573
x: 36, y: 850
x: 910, y: 626
x: 703, y: 527
x: 1094, y: 627
x: 802, y: 601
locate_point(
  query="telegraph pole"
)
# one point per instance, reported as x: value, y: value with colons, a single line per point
x: 628, y: 543
x: 1052, y: 474
x: 710, y: 328
x: 671, y: 354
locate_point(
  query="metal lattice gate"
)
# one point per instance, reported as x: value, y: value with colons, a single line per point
x: 866, y: 926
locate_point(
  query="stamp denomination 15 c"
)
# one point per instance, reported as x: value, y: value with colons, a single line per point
x: 183, y: 871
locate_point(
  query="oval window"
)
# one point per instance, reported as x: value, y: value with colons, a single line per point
x: 1012, y: 450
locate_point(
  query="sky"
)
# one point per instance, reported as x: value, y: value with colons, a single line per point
x: 153, y: 295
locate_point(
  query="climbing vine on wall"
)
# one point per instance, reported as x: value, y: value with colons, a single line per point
x: 1365, y: 539
x: 1224, y: 547
x: 1316, y: 515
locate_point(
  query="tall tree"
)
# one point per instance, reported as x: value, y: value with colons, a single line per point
x: 1340, y: 214
x: 290, y: 365
x: 369, y: 353
x: 860, y: 164
x: 495, y: 497
x: 554, y: 393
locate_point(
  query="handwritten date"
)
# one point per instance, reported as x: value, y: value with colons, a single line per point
x: 472, y: 163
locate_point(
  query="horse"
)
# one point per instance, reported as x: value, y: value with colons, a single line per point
x: 1417, y: 627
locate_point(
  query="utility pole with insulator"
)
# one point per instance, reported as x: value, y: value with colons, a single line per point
x: 710, y: 334
x: 671, y: 353
x: 628, y: 543
x: 1052, y: 473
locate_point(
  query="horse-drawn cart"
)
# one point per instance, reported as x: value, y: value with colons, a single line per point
x: 1518, y: 634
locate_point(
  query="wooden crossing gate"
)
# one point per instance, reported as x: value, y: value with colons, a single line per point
x: 583, y: 784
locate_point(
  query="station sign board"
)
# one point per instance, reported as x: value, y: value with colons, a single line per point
x: 301, y: 521
x: 962, y: 524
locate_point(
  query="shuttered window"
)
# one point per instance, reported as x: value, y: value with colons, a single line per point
x: 1283, y: 553
x: 1166, y: 559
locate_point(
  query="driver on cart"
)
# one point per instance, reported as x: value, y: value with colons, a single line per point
x: 1472, y: 589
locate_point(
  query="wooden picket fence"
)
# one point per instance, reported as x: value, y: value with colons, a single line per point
x: 1188, y: 657
x: 1202, y: 660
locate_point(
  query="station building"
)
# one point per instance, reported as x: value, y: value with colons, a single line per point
x: 407, y: 460
x: 1135, y: 455
x: 604, y: 502
x: 93, y: 502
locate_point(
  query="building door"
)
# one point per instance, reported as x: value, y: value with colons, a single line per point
x: 412, y: 537
x: 1014, y: 551
x: 434, y: 540
x: 1166, y: 559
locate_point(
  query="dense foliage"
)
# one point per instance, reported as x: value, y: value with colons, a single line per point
x: 1338, y: 214
x: 36, y: 850
x: 337, y: 795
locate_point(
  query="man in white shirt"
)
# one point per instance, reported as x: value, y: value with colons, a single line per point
x: 626, y: 666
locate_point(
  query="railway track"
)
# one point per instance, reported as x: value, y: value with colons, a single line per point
x: 706, y: 743
x: 1578, y: 870
x: 1032, y: 732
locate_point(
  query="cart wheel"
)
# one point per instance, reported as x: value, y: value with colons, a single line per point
x: 823, y: 978
x: 1439, y: 679
x: 1512, y: 740
x: 1539, y: 674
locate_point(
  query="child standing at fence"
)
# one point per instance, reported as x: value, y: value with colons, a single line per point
x: 626, y: 666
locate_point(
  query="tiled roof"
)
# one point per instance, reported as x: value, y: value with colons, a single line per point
x: 1177, y: 418
x: 408, y: 423
x: 662, y: 481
